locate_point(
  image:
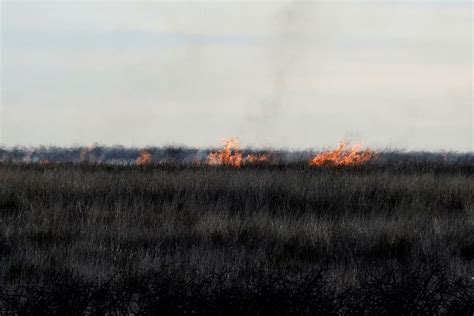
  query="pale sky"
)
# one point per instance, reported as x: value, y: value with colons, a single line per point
x: 274, y: 73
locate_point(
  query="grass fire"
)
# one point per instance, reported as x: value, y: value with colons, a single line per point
x: 231, y: 156
x: 343, y: 155
x: 113, y: 230
x: 144, y: 158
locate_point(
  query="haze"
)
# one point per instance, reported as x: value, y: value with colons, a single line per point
x: 275, y: 74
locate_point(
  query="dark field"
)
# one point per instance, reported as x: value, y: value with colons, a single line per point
x: 374, y: 239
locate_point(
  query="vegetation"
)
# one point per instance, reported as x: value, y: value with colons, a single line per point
x: 378, y: 238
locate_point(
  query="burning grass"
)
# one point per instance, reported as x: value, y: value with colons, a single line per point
x: 230, y: 155
x: 144, y: 158
x: 342, y: 155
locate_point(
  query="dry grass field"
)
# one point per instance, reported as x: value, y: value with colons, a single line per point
x: 372, y: 239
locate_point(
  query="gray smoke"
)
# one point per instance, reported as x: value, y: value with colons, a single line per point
x: 286, y: 49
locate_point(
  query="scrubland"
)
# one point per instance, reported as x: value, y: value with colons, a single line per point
x: 374, y: 239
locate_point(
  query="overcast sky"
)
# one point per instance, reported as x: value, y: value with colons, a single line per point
x: 276, y: 74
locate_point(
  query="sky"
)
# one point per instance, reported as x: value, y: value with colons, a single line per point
x: 280, y: 74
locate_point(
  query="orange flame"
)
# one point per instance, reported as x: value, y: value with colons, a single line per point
x: 257, y: 158
x: 229, y: 155
x: 44, y: 162
x: 342, y: 155
x: 144, y: 158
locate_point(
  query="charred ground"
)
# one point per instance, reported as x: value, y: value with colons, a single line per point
x: 393, y: 236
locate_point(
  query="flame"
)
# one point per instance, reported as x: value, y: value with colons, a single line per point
x: 44, y: 162
x: 231, y: 156
x: 342, y: 155
x: 144, y: 158
x: 257, y: 158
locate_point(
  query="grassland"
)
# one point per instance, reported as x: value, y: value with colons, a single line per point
x: 374, y: 239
